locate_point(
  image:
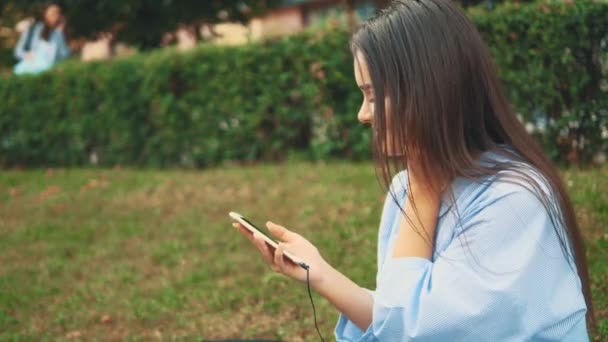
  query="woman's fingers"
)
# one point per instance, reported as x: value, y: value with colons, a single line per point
x: 278, y: 257
x: 274, y: 258
x: 244, y: 231
x: 280, y: 232
x: 266, y: 251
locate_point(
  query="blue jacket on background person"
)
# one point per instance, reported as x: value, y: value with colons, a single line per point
x: 37, y: 54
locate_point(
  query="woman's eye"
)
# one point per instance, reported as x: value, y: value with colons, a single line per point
x: 370, y: 100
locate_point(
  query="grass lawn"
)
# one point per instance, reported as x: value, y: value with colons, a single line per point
x: 138, y: 255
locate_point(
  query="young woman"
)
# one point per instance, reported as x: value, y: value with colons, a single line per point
x: 478, y: 240
x: 43, y: 44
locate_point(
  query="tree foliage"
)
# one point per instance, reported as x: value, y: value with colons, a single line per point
x: 141, y: 22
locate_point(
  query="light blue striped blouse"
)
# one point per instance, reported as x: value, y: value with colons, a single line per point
x: 505, y: 279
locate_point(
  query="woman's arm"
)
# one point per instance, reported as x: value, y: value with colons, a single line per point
x: 20, y: 47
x: 352, y: 300
x: 417, y: 231
x: 356, y: 303
x: 417, y: 227
x: 507, y: 279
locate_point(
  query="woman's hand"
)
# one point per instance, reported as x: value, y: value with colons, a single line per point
x: 294, y: 244
x: 355, y: 302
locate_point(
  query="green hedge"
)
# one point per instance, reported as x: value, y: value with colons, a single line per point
x: 553, y: 60
x: 266, y: 101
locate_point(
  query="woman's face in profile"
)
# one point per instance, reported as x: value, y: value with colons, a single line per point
x: 52, y: 15
x: 366, y: 112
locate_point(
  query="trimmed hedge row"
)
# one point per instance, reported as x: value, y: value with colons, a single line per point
x: 553, y: 59
x: 267, y: 100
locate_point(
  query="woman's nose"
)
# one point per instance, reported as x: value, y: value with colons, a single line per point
x: 364, y: 116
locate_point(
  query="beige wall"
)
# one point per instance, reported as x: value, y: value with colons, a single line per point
x: 231, y: 33
x: 278, y: 22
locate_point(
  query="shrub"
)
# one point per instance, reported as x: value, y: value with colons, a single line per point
x: 265, y: 100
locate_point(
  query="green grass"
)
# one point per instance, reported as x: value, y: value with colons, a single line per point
x: 138, y: 255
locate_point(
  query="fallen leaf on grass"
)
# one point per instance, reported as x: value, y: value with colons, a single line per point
x: 73, y: 334
x: 59, y: 208
x: 106, y: 319
x: 95, y: 183
x: 50, y: 191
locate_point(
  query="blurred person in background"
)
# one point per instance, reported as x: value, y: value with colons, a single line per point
x: 43, y: 44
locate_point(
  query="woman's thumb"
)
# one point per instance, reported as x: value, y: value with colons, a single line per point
x: 280, y: 232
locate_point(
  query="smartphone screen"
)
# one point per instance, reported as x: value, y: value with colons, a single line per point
x: 269, y: 241
x: 256, y: 227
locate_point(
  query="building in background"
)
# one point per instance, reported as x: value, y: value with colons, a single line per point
x: 288, y: 17
x: 293, y: 16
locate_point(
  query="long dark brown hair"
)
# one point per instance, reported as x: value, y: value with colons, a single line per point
x: 447, y: 105
x: 46, y: 28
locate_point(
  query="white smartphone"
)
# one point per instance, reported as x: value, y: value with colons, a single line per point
x: 253, y: 229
